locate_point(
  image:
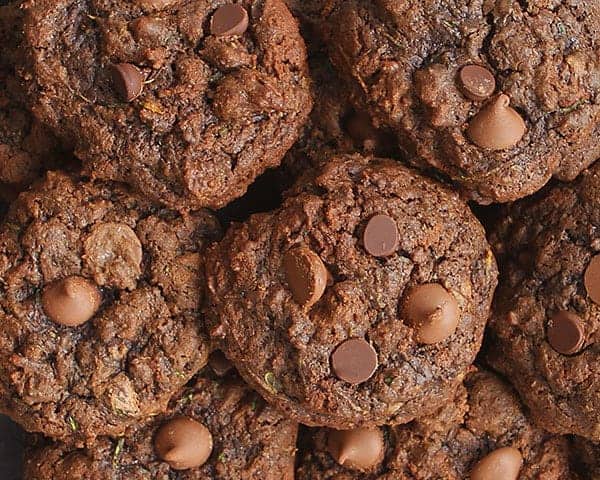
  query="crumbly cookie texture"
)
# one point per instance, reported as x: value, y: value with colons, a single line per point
x: 485, y: 421
x: 544, y: 331
x: 184, y: 100
x: 498, y: 96
x: 247, y: 439
x: 100, y: 298
x: 314, y: 302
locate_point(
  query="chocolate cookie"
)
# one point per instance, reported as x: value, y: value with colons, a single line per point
x: 482, y: 430
x: 187, y: 101
x: 99, y: 305
x: 545, y: 328
x: 215, y: 429
x: 361, y: 301
x: 498, y: 96
x: 26, y: 146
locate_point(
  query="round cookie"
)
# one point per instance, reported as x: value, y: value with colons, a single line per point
x: 484, y: 424
x: 497, y: 96
x: 545, y: 327
x: 313, y: 314
x: 100, y: 306
x: 187, y: 101
x: 245, y: 439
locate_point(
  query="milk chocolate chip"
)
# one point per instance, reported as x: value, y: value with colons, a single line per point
x: 432, y: 311
x: 497, y: 126
x: 502, y: 464
x: 306, y: 275
x: 477, y: 83
x: 229, y: 19
x: 381, y: 236
x: 591, y: 279
x: 360, y: 449
x: 71, y: 301
x: 127, y: 80
x: 565, y: 333
x: 183, y: 443
x: 354, y: 361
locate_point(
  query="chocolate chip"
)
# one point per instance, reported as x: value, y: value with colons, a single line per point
x: 565, y: 333
x: 71, y: 301
x: 497, y: 126
x: 432, y: 311
x: 381, y: 236
x: 128, y: 81
x: 354, y: 361
x: 477, y: 83
x: 183, y: 443
x: 360, y: 449
x: 502, y: 464
x: 219, y: 363
x: 591, y: 279
x: 306, y: 275
x: 229, y: 19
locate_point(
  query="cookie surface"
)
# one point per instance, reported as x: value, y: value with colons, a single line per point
x: 543, y: 334
x: 296, y: 295
x: 436, y: 72
x: 99, y: 302
x: 250, y: 440
x: 160, y: 96
x: 484, y: 417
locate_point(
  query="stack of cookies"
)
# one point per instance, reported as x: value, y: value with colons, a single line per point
x: 302, y: 239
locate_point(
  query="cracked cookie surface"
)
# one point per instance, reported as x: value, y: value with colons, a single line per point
x: 206, y: 112
x: 291, y: 292
x: 545, y: 327
x: 406, y: 59
x: 132, y: 270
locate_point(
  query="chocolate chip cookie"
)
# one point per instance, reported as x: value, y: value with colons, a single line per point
x: 100, y: 297
x: 215, y: 429
x: 187, y: 101
x: 497, y: 96
x: 361, y: 301
x: 545, y: 327
x: 482, y: 430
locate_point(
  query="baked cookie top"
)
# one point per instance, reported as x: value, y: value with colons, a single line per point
x: 216, y: 428
x: 545, y: 327
x: 361, y: 301
x: 100, y: 297
x: 498, y: 96
x: 187, y: 101
x: 482, y: 428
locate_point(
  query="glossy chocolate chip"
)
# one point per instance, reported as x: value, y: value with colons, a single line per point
x: 231, y: 19
x: 591, y: 279
x: 354, y: 361
x: 71, y: 301
x: 432, y: 311
x: 128, y: 81
x: 306, y: 275
x: 477, y: 83
x: 565, y: 333
x: 359, y: 449
x: 502, y: 464
x: 183, y: 443
x: 381, y: 236
x: 497, y: 126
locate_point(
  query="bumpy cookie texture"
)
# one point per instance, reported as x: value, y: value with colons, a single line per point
x: 545, y: 328
x: 100, y: 296
x: 161, y: 97
x: 250, y: 440
x: 585, y: 457
x: 313, y: 320
x: 406, y: 61
x: 26, y: 146
x: 485, y: 419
